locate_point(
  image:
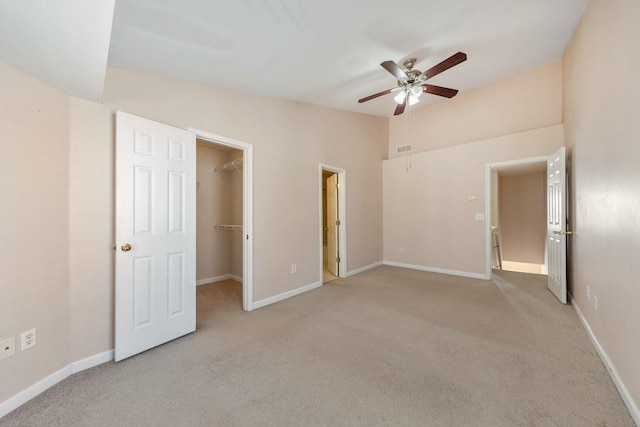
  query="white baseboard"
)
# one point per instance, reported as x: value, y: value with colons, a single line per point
x: 218, y: 279
x: 622, y: 389
x: 91, y: 361
x: 285, y: 295
x: 32, y: 391
x: 363, y: 269
x: 437, y: 270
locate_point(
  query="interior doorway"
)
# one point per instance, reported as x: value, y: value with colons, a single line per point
x: 517, y: 216
x: 332, y: 222
x: 225, y: 212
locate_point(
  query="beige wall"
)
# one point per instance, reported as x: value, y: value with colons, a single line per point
x: 91, y: 207
x: 213, y: 257
x: 236, y: 199
x: 523, y: 217
x: 495, y: 199
x: 529, y: 100
x: 601, y: 109
x: 58, y: 181
x: 427, y: 212
x: 290, y: 139
x: 34, y: 227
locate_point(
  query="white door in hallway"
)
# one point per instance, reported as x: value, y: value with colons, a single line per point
x: 155, y: 234
x: 332, y: 221
x: 557, y: 224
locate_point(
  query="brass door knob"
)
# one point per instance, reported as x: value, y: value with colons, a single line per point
x: 126, y: 247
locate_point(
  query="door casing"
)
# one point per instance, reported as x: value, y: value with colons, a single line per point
x: 488, y: 169
x: 341, y: 230
x: 247, y: 209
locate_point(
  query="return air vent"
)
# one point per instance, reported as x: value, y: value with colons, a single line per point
x: 400, y: 149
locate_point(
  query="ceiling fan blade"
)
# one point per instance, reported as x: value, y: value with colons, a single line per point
x: 394, y: 69
x: 440, y: 91
x: 375, y: 95
x: 444, y: 65
x: 400, y: 108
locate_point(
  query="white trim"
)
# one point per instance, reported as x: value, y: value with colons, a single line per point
x: 285, y: 295
x: 247, y: 209
x: 622, y: 389
x: 213, y: 279
x: 219, y: 279
x: 487, y: 203
x: 438, y: 270
x: 363, y: 269
x: 91, y: 361
x: 33, y: 390
x: 342, y: 217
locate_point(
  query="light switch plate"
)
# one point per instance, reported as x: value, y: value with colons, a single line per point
x: 479, y: 216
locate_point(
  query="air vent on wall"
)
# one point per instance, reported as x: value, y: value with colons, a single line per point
x: 400, y: 149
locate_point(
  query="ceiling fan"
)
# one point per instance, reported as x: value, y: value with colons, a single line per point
x: 411, y: 83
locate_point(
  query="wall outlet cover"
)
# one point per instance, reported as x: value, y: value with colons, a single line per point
x: 28, y: 339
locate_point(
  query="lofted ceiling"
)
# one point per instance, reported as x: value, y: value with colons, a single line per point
x: 319, y: 52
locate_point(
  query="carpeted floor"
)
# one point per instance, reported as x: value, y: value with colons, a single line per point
x: 387, y: 347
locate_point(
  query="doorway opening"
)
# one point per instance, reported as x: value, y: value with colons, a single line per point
x: 224, y: 215
x: 332, y: 223
x: 517, y: 216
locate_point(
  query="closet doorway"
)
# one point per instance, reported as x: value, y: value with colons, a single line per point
x: 223, y: 216
x: 332, y: 221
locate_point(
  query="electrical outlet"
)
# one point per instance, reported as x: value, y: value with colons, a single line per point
x: 588, y: 293
x: 401, y: 249
x: 595, y: 302
x: 27, y: 339
x: 7, y: 347
x: 293, y: 269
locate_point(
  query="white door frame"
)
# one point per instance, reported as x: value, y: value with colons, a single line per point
x: 247, y: 209
x: 487, y: 191
x: 342, y: 217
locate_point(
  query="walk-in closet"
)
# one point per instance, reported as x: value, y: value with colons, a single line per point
x: 219, y: 200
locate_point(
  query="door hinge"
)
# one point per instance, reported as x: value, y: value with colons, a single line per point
x: 338, y: 186
x: 338, y: 222
x: 338, y: 259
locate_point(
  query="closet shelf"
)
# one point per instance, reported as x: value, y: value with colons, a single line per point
x: 232, y: 166
x: 229, y: 227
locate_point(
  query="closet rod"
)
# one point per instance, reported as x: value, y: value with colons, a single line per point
x: 232, y: 166
x: 229, y: 227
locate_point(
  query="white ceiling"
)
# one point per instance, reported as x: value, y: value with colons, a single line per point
x: 63, y: 43
x: 320, y: 52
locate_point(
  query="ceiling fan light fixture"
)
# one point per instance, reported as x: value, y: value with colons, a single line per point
x: 417, y: 91
x: 413, y: 99
x: 399, y: 98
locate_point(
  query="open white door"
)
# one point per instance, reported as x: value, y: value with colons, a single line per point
x: 332, y: 222
x: 556, y: 224
x: 155, y: 234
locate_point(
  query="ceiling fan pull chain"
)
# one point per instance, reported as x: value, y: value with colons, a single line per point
x: 408, y: 137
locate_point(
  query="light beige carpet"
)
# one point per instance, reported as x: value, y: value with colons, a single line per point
x: 387, y: 347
